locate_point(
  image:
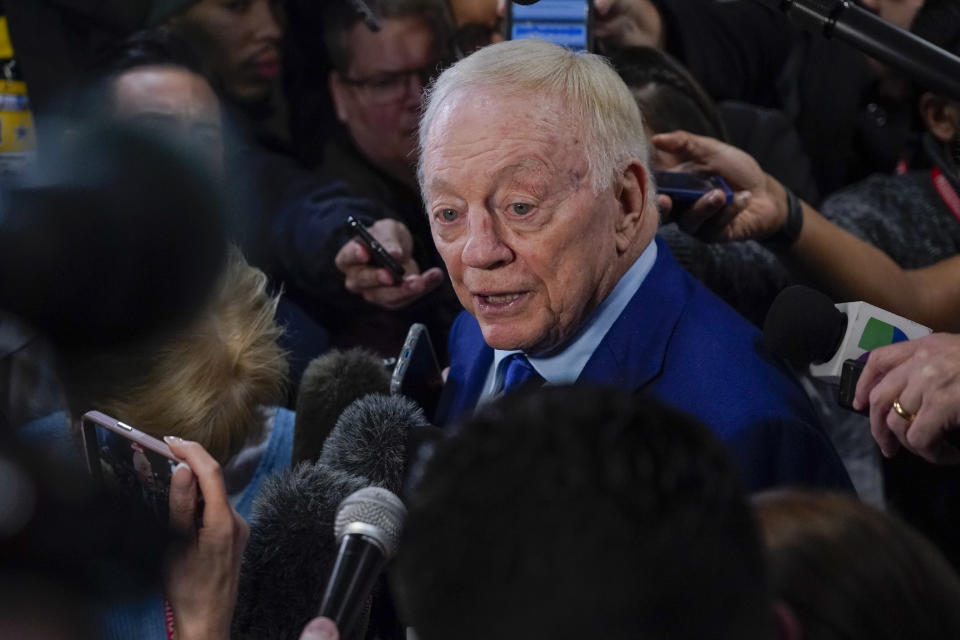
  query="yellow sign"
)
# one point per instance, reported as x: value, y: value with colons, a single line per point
x: 6, y: 47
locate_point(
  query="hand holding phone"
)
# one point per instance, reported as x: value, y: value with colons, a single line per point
x: 202, y: 577
x: 686, y: 188
x: 377, y: 251
x: 367, y: 276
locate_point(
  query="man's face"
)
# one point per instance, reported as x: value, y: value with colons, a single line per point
x: 241, y: 39
x: 175, y: 103
x: 530, y: 249
x: 378, y: 98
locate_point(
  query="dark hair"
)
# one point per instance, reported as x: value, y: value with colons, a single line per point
x: 158, y: 47
x: 849, y: 571
x: 576, y: 512
x: 668, y: 96
x: 340, y: 17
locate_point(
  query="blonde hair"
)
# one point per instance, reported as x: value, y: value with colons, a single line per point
x: 207, y: 381
x: 587, y: 83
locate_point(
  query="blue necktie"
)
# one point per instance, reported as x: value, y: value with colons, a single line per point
x: 518, y: 372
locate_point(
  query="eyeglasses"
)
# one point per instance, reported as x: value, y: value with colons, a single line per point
x: 388, y: 88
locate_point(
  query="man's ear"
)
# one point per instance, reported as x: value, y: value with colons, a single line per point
x: 940, y: 116
x: 786, y: 622
x: 338, y: 91
x: 636, y: 206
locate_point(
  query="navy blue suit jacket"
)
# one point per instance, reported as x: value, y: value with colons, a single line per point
x: 679, y: 342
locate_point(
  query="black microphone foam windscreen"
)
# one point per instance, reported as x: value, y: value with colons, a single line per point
x: 803, y: 326
x: 330, y: 383
x: 290, y: 552
x: 372, y: 437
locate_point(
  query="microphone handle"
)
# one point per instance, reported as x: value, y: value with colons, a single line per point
x: 355, y: 571
x: 927, y: 64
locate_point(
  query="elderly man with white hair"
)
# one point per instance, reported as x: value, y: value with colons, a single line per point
x: 533, y: 168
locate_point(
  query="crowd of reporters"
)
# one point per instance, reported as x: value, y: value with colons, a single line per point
x: 178, y: 259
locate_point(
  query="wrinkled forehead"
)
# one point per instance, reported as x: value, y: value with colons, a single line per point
x: 488, y: 124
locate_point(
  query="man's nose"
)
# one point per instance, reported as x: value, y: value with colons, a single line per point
x: 268, y: 23
x: 484, y: 247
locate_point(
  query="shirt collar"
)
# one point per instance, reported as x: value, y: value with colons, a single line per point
x: 566, y: 366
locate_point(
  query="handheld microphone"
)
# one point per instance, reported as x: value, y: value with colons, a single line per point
x: 290, y: 552
x: 929, y: 65
x: 368, y: 527
x: 805, y: 328
x: 330, y: 383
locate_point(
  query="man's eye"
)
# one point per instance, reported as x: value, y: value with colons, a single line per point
x: 521, y: 208
x: 448, y: 215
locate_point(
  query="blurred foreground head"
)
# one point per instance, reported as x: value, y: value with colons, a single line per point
x: 120, y: 234
x: 847, y: 570
x: 577, y: 513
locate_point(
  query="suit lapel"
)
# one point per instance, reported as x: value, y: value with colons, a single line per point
x: 467, y: 375
x: 633, y: 351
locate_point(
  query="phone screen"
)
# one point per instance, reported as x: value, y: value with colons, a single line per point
x: 563, y: 22
x: 129, y: 467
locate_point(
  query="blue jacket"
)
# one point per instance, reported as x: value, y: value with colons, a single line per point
x: 679, y: 342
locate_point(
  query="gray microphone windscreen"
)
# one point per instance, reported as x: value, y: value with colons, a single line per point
x: 371, y: 439
x: 330, y: 383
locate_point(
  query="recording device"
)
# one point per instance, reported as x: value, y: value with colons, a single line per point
x: 330, y: 383
x: 128, y: 461
x: 377, y: 252
x: 805, y: 328
x: 417, y: 372
x: 367, y: 528
x: 568, y: 23
x: 685, y: 188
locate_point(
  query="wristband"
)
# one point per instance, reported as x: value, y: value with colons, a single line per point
x: 787, y: 234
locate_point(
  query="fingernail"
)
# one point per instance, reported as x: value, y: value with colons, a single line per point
x: 172, y: 439
x: 319, y: 629
x: 716, y: 198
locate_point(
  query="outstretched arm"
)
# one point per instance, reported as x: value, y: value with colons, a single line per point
x: 838, y: 262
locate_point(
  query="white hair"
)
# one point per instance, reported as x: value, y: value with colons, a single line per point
x: 587, y: 83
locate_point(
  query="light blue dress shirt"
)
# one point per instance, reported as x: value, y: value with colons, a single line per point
x: 565, y: 367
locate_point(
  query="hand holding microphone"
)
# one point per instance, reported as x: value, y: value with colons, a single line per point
x: 913, y: 391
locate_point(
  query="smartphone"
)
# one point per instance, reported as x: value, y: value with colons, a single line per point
x: 686, y: 188
x: 417, y: 372
x: 377, y: 253
x: 568, y: 23
x: 129, y: 461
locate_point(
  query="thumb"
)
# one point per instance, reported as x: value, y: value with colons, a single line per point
x: 320, y: 629
x: 183, y: 498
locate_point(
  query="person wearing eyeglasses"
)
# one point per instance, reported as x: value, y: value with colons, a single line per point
x: 376, y: 82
